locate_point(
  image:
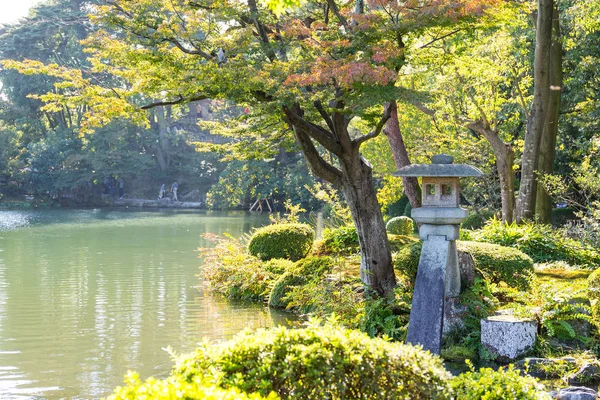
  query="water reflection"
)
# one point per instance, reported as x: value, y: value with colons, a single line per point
x: 87, y: 295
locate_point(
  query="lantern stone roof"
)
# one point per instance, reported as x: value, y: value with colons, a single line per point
x: 441, y: 166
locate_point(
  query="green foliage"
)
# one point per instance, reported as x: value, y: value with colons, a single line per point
x: 500, y: 264
x: 326, y: 362
x: 540, y: 242
x: 231, y: 271
x: 560, y: 312
x: 177, y: 387
x: 458, y: 353
x: 244, y: 181
x: 407, y: 260
x: 277, y: 266
x: 594, y: 294
x: 388, y: 317
x: 289, y: 241
x: 477, y: 219
x: 496, y: 263
x: 340, y: 241
x: 503, y: 384
x: 307, y: 270
x: 400, y: 226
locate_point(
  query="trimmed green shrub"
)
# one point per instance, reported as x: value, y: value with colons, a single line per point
x: 277, y: 266
x: 594, y: 294
x: 540, y: 242
x: 304, y: 271
x: 319, y: 363
x: 288, y: 241
x: 176, y: 387
x: 504, y: 384
x: 340, y: 241
x: 496, y: 263
x: 400, y: 226
x: 499, y: 263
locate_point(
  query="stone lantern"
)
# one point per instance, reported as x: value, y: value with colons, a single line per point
x: 438, y: 276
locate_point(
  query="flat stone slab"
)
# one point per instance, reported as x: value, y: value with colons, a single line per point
x: 508, y: 337
x: 427, y: 311
x: 439, y: 215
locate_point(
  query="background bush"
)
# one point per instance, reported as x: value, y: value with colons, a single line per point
x: 540, y: 242
x: 230, y: 270
x: 504, y: 384
x: 494, y: 262
x: 307, y: 270
x: 319, y: 363
x: 288, y: 241
x: 400, y: 226
x: 341, y: 241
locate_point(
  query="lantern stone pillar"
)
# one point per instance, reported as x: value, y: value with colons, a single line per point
x: 438, y: 275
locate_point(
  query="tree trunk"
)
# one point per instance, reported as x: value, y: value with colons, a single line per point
x: 376, y: 269
x: 162, y: 141
x: 543, y: 203
x: 394, y: 135
x: 354, y: 177
x: 505, y: 160
x: 538, y: 114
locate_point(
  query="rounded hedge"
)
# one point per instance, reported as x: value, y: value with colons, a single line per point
x: 277, y: 266
x: 304, y: 271
x: 288, y: 241
x: 319, y: 363
x: 594, y: 293
x: 175, y: 387
x: 503, y: 384
x: 496, y: 263
x: 400, y: 226
x: 341, y: 241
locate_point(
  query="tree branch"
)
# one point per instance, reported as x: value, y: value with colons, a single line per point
x: 387, y: 113
x: 180, y: 100
x: 317, y: 164
x: 319, y: 134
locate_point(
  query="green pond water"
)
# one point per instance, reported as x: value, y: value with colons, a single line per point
x: 86, y: 295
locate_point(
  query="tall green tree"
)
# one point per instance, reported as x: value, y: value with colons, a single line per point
x: 309, y: 71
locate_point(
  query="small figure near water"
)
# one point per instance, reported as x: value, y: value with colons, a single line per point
x: 161, y: 192
x: 121, y: 185
x: 174, y: 188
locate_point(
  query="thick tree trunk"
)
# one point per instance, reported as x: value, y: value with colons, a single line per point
x: 162, y: 145
x: 394, y: 135
x: 538, y: 114
x: 376, y: 269
x: 505, y: 160
x: 354, y: 177
x: 543, y: 203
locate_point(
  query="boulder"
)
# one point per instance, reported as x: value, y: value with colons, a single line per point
x: 588, y: 373
x: 507, y: 337
x: 575, y: 393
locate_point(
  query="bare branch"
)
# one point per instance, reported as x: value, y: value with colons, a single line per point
x: 439, y: 38
x: 180, y: 100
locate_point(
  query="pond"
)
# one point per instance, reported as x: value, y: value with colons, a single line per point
x: 86, y: 295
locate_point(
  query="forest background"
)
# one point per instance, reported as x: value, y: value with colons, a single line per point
x: 467, y: 89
